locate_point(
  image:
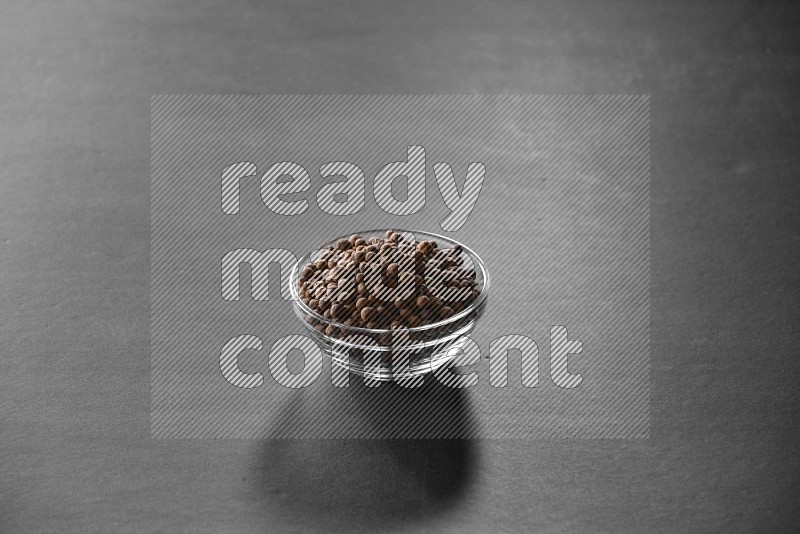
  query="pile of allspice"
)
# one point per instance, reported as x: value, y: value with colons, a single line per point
x: 387, y: 283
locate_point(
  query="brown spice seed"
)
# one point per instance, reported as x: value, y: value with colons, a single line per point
x: 368, y: 313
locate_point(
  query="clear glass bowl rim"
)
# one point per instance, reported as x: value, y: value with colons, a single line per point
x: 477, y: 261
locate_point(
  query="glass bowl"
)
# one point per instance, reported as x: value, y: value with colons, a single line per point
x: 383, y: 354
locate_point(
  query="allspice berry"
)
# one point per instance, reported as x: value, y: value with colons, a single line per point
x: 368, y: 313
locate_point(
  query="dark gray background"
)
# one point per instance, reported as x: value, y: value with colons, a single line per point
x: 74, y: 225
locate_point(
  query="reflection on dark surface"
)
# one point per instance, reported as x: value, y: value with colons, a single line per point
x: 371, y: 483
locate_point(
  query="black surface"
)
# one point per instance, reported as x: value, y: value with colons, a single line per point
x: 74, y: 227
